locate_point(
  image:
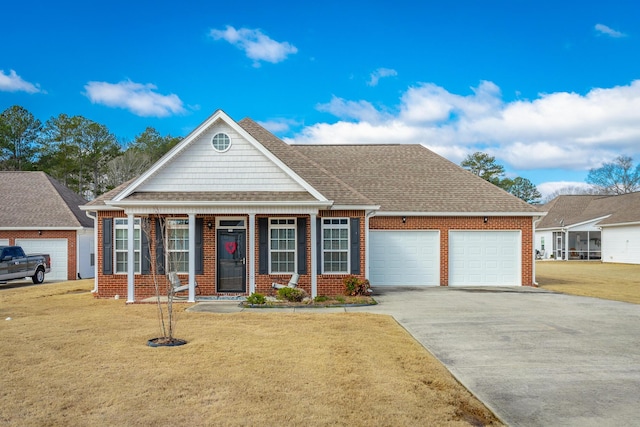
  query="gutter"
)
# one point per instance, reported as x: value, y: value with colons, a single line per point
x: 536, y: 220
x: 95, y: 247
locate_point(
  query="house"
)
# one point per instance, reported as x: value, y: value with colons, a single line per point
x: 234, y: 209
x: 43, y: 216
x: 591, y: 227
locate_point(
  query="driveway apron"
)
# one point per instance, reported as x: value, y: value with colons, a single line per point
x: 534, y: 357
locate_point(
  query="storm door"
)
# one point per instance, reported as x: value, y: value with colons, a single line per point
x: 232, y: 261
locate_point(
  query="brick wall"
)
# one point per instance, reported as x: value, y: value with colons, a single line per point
x: 328, y: 284
x: 70, y: 235
x: 445, y: 224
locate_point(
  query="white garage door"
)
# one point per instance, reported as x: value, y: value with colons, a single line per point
x: 410, y: 258
x: 56, y: 248
x: 4, y: 242
x: 484, y: 258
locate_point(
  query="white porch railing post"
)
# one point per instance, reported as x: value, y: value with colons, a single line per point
x: 314, y: 257
x: 131, y: 259
x: 192, y: 258
x: 252, y: 253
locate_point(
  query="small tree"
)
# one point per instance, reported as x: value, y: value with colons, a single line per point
x: 162, y: 285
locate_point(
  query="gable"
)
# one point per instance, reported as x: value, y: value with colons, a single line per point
x: 200, y: 168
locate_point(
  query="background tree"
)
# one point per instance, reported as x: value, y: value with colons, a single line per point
x: 19, y: 139
x: 484, y: 166
x: 571, y: 190
x: 146, y: 149
x: 77, y: 152
x: 617, y: 177
x: 522, y: 188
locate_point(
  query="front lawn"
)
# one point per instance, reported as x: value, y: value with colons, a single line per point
x: 619, y: 282
x: 69, y: 359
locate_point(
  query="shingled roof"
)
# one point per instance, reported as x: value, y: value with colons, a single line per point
x: 397, y: 178
x: 412, y: 178
x: 36, y: 200
x: 568, y: 210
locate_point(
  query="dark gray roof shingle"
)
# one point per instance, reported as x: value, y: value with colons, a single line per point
x: 569, y: 210
x: 34, y: 199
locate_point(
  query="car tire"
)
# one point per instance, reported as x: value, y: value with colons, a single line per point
x: 39, y: 276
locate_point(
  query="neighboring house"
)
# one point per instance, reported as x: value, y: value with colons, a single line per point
x: 591, y: 227
x: 43, y: 216
x: 233, y: 209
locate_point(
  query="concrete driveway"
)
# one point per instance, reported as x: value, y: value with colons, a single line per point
x: 534, y: 357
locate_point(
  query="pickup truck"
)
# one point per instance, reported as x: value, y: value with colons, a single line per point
x: 14, y: 264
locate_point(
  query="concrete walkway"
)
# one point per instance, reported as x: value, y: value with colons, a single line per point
x: 534, y: 357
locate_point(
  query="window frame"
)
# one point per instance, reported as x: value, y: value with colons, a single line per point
x: 123, y: 224
x: 283, y: 224
x: 336, y: 224
x: 214, y: 142
x: 177, y: 223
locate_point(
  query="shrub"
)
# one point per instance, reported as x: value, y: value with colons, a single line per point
x: 292, y: 294
x: 321, y: 298
x: 355, y: 286
x: 256, y: 299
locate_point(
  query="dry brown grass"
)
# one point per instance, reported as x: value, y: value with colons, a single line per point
x: 619, y: 282
x: 68, y: 359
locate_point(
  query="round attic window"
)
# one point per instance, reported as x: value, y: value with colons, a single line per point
x: 221, y: 142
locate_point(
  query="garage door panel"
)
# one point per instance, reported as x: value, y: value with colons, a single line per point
x: 4, y: 242
x: 409, y: 258
x: 57, y: 250
x: 490, y: 258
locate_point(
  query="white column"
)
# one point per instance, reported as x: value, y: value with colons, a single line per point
x: 314, y: 257
x: 252, y: 253
x: 192, y: 258
x: 566, y: 245
x: 131, y: 259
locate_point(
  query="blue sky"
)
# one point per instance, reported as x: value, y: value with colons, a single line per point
x: 551, y: 88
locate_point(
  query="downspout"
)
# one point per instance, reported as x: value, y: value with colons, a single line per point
x: 95, y: 243
x: 366, y: 243
x: 536, y: 220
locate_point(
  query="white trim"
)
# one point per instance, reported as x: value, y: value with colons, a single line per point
x: 95, y: 250
x: 232, y: 218
x: 99, y: 208
x: 233, y: 210
x: 619, y: 224
x: 287, y: 226
x: 314, y: 256
x: 252, y: 253
x: 155, y: 203
x: 462, y: 214
x: 355, y: 207
x: 131, y: 222
x: 192, y: 258
x: 218, y: 115
x: 347, y: 227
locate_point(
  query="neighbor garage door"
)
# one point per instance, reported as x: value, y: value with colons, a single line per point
x: 4, y: 242
x: 56, y: 248
x: 410, y: 258
x: 484, y: 258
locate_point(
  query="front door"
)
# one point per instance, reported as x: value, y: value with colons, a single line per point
x: 232, y: 261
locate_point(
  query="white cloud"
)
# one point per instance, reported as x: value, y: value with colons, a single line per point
x: 603, y: 29
x: 255, y: 44
x: 558, y: 130
x: 278, y: 125
x: 379, y: 73
x: 12, y: 82
x: 140, y: 99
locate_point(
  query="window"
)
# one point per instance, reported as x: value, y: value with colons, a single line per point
x: 221, y: 142
x: 178, y: 245
x: 282, y: 245
x: 121, y: 231
x: 335, y: 245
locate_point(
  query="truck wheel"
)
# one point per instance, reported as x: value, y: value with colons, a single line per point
x: 39, y: 276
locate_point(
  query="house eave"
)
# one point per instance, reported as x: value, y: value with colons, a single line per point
x: 620, y: 224
x: 31, y: 228
x: 442, y: 214
x: 154, y: 203
x: 355, y: 207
